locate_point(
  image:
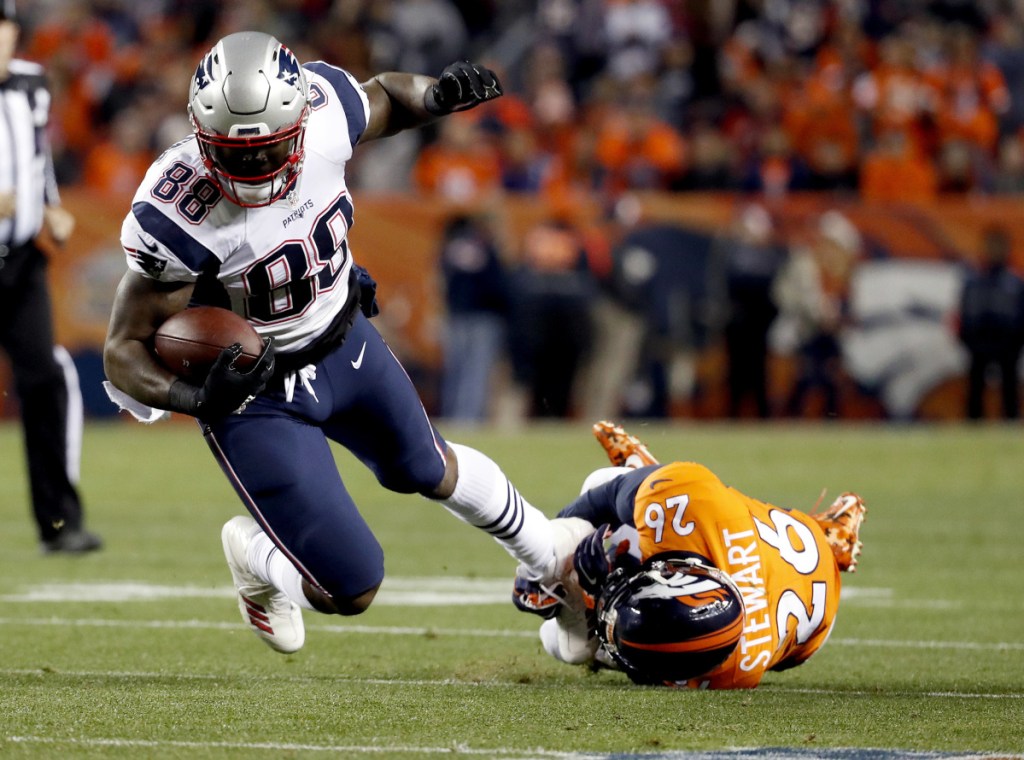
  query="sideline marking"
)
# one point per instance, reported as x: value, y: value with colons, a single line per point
x: 755, y: 753
x: 286, y: 747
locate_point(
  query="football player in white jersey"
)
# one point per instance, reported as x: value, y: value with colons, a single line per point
x: 252, y: 214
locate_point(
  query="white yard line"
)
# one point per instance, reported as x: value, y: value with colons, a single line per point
x: 453, y: 682
x: 748, y: 753
x: 430, y: 591
x: 343, y: 750
x: 446, y: 591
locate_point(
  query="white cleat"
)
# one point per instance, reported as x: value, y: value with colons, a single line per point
x: 268, y: 612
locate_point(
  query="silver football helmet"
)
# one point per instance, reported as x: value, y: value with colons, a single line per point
x: 248, y: 105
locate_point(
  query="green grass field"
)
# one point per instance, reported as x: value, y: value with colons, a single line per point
x: 139, y: 651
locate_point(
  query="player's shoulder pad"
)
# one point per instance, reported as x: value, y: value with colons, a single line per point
x: 158, y: 248
x: 329, y: 84
x: 673, y: 475
x: 185, y: 150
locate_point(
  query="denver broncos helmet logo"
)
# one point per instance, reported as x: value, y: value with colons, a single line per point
x: 703, y: 598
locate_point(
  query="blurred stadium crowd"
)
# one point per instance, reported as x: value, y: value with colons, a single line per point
x: 871, y: 101
x: 874, y: 97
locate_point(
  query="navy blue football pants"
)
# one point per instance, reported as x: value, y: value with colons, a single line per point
x: 277, y: 457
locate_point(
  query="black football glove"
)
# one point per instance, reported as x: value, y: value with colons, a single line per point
x: 596, y: 557
x: 591, y: 561
x: 461, y: 86
x: 227, y: 390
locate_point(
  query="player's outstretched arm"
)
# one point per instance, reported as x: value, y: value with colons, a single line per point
x: 401, y: 101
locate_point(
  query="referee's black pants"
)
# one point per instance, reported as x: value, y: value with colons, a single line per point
x: 26, y: 336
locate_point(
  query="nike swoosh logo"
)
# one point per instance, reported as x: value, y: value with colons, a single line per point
x: 150, y: 248
x: 655, y: 483
x: 358, y: 362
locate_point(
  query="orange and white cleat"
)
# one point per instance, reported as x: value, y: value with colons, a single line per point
x: 841, y: 523
x: 623, y: 449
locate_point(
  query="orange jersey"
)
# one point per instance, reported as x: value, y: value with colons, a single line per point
x: 778, y: 558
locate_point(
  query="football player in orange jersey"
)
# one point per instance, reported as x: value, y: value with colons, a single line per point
x: 687, y: 581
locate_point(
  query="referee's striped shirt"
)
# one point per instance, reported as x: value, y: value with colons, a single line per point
x: 26, y: 164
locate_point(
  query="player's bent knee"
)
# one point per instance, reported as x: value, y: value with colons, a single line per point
x: 567, y: 643
x: 341, y: 605
x: 421, y: 478
x: 445, y: 487
x: 358, y: 604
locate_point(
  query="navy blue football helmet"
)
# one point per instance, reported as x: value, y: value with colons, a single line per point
x: 674, y: 620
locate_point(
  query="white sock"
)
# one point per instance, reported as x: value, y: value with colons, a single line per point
x: 270, y: 565
x: 486, y: 499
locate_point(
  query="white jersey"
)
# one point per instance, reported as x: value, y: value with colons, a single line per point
x: 284, y: 267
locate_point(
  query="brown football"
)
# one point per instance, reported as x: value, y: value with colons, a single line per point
x: 190, y: 341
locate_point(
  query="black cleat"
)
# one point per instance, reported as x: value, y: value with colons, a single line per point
x: 77, y: 541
